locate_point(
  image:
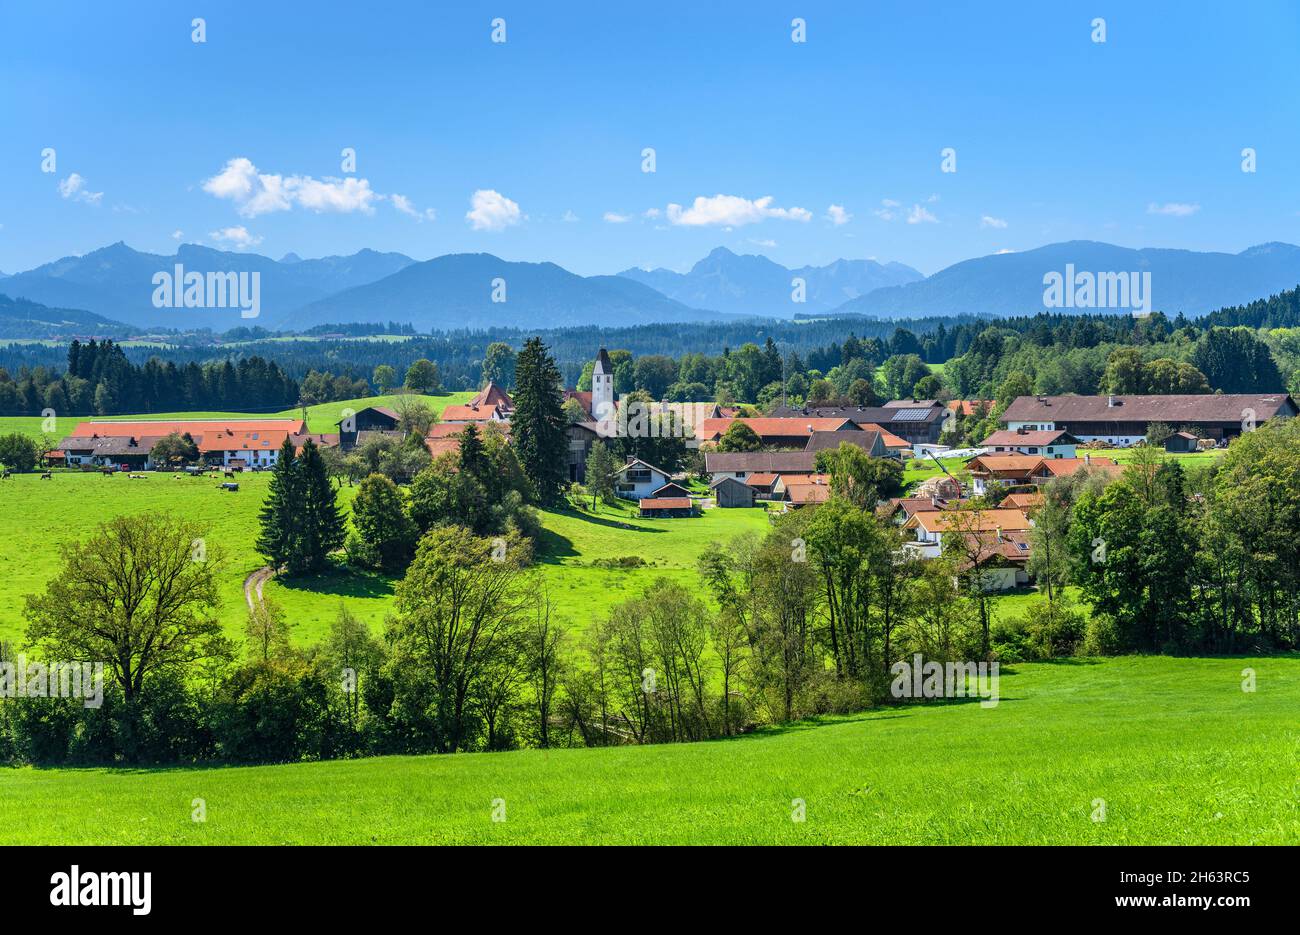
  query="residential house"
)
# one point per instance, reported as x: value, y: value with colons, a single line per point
x: 988, y: 471
x: 929, y: 527
x: 637, y: 480
x: 1049, y: 443
x: 1047, y: 470
x: 369, y: 419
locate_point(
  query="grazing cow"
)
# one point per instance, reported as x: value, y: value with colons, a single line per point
x: 230, y: 473
x: 47, y: 476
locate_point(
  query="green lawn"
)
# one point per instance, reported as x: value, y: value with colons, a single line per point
x: 38, y: 515
x: 323, y: 417
x: 1174, y: 747
x: 581, y: 591
x: 1124, y: 455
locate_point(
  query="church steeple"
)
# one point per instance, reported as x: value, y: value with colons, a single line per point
x: 602, y: 390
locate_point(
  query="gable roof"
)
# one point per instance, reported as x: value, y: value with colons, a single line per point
x: 665, y: 503
x: 636, y: 461
x: 969, y: 520
x: 671, y: 489
x: 808, y: 493
x: 1040, y: 438
x: 765, y: 462
x: 866, y: 440
x: 1003, y: 464
x: 492, y: 395
x: 1022, y: 501
x: 1064, y: 467
x: 470, y: 413
x: 1205, y: 407
x: 760, y: 480
x: 725, y: 479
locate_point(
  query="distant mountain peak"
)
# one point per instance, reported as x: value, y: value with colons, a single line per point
x: 292, y: 257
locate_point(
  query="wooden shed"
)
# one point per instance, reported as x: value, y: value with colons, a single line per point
x: 731, y: 492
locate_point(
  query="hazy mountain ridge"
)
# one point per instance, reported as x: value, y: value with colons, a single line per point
x: 1012, y: 283
x: 752, y: 284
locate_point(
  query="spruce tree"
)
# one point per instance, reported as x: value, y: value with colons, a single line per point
x: 473, y: 459
x: 323, y: 527
x: 538, y: 424
x: 279, y: 515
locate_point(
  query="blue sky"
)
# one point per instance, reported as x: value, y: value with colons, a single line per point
x: 236, y: 141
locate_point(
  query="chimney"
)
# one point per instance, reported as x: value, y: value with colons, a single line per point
x: 1111, y: 402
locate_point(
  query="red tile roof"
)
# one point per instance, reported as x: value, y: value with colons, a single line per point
x: 195, y: 427
x: 665, y: 503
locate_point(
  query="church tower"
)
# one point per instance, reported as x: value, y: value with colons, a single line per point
x: 602, y: 391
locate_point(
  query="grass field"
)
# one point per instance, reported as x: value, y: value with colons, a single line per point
x: 1174, y: 747
x: 323, y: 417
x: 37, y: 515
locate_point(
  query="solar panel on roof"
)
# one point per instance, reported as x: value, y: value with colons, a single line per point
x: 909, y: 415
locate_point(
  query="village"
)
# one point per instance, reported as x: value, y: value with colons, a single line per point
x: 987, y: 494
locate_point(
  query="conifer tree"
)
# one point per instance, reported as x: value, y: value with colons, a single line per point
x: 278, y: 517
x: 538, y: 424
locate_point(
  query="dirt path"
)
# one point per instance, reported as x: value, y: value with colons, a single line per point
x: 255, y: 581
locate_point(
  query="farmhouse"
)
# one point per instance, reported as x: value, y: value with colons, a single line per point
x: 369, y: 419
x: 1050, y: 443
x: 901, y: 509
x: 1125, y: 420
x: 243, y: 442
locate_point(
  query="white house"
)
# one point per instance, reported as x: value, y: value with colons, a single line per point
x: 637, y: 480
x: 1046, y: 443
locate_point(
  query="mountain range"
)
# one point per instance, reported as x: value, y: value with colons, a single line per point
x: 1012, y: 283
x: 755, y: 285
x: 115, y: 284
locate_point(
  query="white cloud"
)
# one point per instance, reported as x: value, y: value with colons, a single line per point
x: 731, y: 211
x: 888, y: 209
x: 932, y: 199
x: 74, y: 187
x: 763, y: 243
x: 837, y: 215
x: 177, y: 234
x: 258, y: 193
x: 403, y: 204
x: 651, y: 213
x: 1175, y: 209
x: 569, y: 217
x: 237, y: 237
x: 1004, y: 250
x: 990, y: 221
x: 919, y: 215
x: 612, y: 218
x: 492, y: 211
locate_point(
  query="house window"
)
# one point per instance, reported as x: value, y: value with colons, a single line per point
x: 639, y: 476
x: 1033, y: 451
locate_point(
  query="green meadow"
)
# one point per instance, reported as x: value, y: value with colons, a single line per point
x: 1134, y: 750
x: 38, y: 515
x: 323, y: 417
